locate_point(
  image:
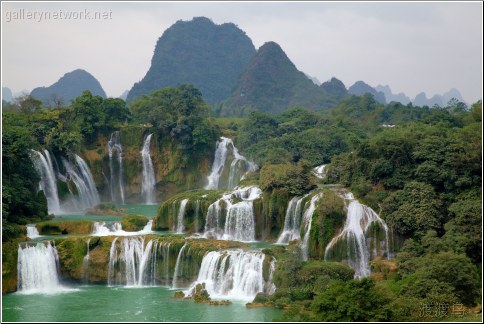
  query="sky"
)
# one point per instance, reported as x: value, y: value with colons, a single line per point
x: 411, y: 46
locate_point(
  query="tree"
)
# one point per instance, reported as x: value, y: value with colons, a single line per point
x: 413, y: 210
x: 26, y: 104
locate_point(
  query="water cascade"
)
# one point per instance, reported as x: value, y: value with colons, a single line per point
x: 114, y: 145
x: 239, y: 166
x: 319, y: 171
x: 179, y: 260
x: 32, y: 231
x: 364, y: 237
x: 148, y: 179
x: 237, y: 217
x: 292, y: 222
x: 132, y: 262
x: 234, y: 274
x: 37, y: 268
x: 180, y: 228
x: 48, y: 183
x: 115, y: 229
x: 85, y: 263
x: 308, y: 220
x: 82, y: 178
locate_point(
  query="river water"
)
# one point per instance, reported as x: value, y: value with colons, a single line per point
x: 119, y: 304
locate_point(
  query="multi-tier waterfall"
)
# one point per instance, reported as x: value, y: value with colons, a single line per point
x: 364, y: 237
x: 235, y: 211
x: 179, y: 260
x: 37, y: 267
x: 48, y: 182
x: 239, y: 166
x: 114, y: 146
x: 234, y: 274
x: 82, y: 178
x: 148, y: 180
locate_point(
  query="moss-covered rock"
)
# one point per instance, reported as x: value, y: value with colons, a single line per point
x: 134, y: 223
x: 9, y: 265
x: 328, y: 221
x: 195, y: 210
x: 65, y: 227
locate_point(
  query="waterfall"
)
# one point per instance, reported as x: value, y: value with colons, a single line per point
x: 149, y: 179
x: 177, y: 266
x: 114, y: 145
x: 180, y: 228
x: 115, y: 229
x: 166, y: 260
x: 48, y: 183
x: 134, y: 264
x: 319, y: 171
x: 235, y: 274
x: 239, y: 166
x: 37, y: 269
x: 354, y: 244
x: 196, y: 221
x: 32, y: 231
x: 85, y: 264
x: 82, y: 178
x: 292, y: 222
x: 308, y: 220
x: 239, y: 216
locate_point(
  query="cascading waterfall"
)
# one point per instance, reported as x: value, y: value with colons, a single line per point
x: 359, y: 241
x: 134, y: 264
x: 115, y: 229
x: 37, y: 269
x: 85, y: 264
x: 82, y: 178
x: 308, y: 220
x: 239, y: 217
x: 180, y: 228
x: 239, y: 166
x: 234, y: 274
x: 196, y: 220
x: 148, y: 179
x: 319, y: 171
x: 292, y: 222
x: 114, y: 145
x: 32, y: 231
x: 179, y: 260
x: 48, y: 183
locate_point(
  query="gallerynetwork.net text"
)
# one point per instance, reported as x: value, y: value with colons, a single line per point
x: 39, y: 16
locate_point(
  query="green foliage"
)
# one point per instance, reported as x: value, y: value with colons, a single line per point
x: 21, y: 201
x: 354, y: 300
x: 414, y: 210
x: 295, y: 178
x: 181, y: 114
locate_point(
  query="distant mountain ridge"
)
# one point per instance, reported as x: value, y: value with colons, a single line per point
x: 199, y: 52
x: 68, y: 87
x: 272, y: 83
x: 360, y: 88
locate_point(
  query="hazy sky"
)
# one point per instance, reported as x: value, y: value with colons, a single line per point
x: 412, y: 47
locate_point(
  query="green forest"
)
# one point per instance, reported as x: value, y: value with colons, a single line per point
x: 420, y: 168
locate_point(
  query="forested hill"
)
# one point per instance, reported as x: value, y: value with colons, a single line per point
x: 70, y: 86
x: 209, y: 56
x: 272, y: 83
